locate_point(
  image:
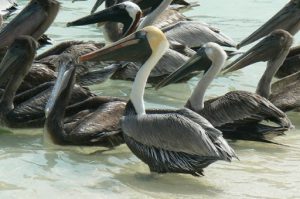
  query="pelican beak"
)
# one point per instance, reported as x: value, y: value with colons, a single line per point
x: 265, y: 50
x: 133, y: 48
x: 65, y: 79
x: 111, y: 14
x: 287, y: 19
x: 33, y: 20
x: 198, y: 62
x: 19, y: 54
x: 97, y: 5
x: 116, y: 13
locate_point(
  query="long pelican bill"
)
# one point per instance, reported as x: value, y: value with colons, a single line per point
x: 33, y: 20
x: 265, y: 50
x: 126, y: 13
x: 134, y: 48
x: 198, y: 62
x: 111, y: 14
x: 67, y: 71
x: 287, y: 19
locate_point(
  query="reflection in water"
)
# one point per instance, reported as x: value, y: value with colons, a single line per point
x: 30, y: 168
x: 156, y: 185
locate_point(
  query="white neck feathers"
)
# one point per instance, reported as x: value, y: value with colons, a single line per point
x: 197, y: 98
x: 139, y: 84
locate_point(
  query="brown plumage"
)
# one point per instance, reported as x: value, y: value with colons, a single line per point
x: 94, y: 121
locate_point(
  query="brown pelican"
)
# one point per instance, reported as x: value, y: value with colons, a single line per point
x: 190, y: 33
x: 288, y: 18
x: 237, y: 113
x: 274, y: 48
x: 167, y: 140
x: 27, y: 108
x: 172, y: 59
x: 95, y: 121
x: 33, y: 20
x: 21, y: 51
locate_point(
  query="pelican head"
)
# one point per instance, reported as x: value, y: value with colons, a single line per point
x: 288, y: 18
x: 268, y: 49
x: 20, y: 54
x: 33, y: 20
x: 127, y: 13
x: 64, y: 81
x: 137, y: 47
x: 209, y: 54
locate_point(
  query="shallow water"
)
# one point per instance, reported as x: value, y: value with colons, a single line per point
x: 29, y: 169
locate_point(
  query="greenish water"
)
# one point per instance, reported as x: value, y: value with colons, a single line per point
x: 30, y: 169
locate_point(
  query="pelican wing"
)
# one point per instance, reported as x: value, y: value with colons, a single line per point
x: 286, y: 92
x: 281, y: 84
x: 170, y: 131
x: 241, y: 107
x: 98, y: 125
x: 294, y: 51
x: 169, y: 17
x: 32, y: 102
x: 37, y: 75
x: 290, y: 66
x: 214, y: 134
x: 196, y: 34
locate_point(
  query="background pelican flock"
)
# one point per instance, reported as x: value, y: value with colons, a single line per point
x: 87, y: 93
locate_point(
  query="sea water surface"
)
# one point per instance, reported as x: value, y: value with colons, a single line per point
x: 31, y: 169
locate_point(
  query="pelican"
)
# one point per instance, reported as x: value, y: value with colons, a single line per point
x: 238, y: 114
x: 33, y: 20
x: 190, y: 33
x: 288, y: 18
x: 172, y: 58
x: 27, y: 108
x: 95, y: 121
x: 177, y: 141
x: 285, y: 93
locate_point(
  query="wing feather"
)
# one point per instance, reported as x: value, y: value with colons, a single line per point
x: 241, y: 107
x: 286, y: 93
x: 169, y: 131
x: 196, y: 34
